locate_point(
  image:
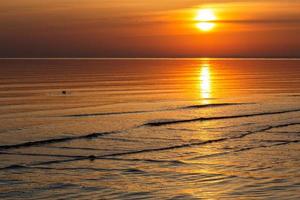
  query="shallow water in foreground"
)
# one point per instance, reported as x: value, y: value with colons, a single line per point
x: 150, y: 129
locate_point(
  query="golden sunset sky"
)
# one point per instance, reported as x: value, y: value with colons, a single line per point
x: 153, y: 28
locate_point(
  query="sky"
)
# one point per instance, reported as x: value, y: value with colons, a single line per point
x: 153, y: 28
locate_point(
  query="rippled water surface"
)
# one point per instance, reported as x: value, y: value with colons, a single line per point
x: 150, y: 129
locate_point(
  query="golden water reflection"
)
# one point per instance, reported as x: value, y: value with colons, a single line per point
x: 205, y: 83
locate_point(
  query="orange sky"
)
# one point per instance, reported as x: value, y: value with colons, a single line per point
x: 156, y: 28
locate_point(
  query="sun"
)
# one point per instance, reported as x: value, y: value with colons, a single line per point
x: 205, y: 15
x: 205, y: 19
x: 205, y: 26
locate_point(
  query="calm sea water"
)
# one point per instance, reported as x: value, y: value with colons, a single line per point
x: 150, y: 129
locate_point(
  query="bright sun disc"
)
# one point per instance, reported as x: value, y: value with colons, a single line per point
x: 205, y: 26
x: 205, y: 19
x: 205, y: 15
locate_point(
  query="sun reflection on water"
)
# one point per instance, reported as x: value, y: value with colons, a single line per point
x: 205, y: 82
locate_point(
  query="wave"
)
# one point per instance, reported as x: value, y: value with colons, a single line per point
x: 56, y: 140
x: 277, y: 143
x: 162, y: 123
x: 95, y: 135
x: 76, y: 158
x: 150, y: 111
x: 186, y: 145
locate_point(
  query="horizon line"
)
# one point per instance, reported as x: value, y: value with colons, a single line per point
x: 152, y: 58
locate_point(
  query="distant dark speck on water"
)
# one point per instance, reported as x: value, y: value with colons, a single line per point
x: 92, y: 158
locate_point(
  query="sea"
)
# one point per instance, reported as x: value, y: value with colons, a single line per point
x: 149, y: 129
